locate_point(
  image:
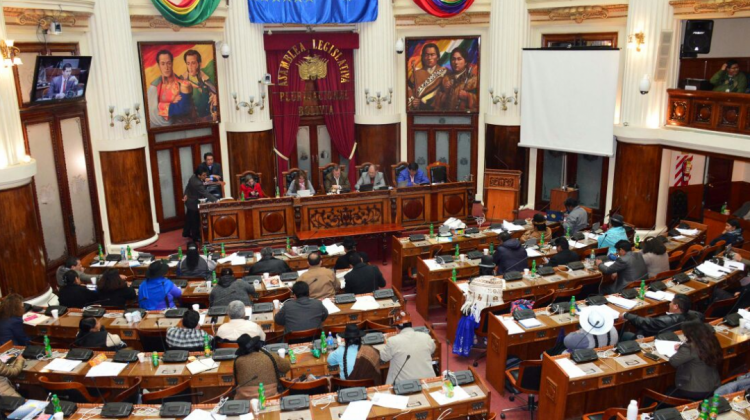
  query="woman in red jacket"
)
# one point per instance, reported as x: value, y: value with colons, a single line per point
x: 251, y: 189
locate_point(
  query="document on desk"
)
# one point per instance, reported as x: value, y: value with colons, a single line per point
x: 511, y: 326
x: 593, y: 236
x: 570, y: 368
x: 660, y: 295
x: 590, y: 368
x: 357, y: 410
x: 199, y: 414
x: 63, y: 365
x: 31, y: 318
x: 432, y: 264
x: 106, y: 369
x: 330, y: 306
x: 610, y: 311
x: 398, y: 402
x: 622, y: 302
x: 630, y: 360
x: 713, y: 270
x: 459, y: 394
x: 201, y: 365
x: 688, y: 232
x: 666, y: 347
x: 577, y: 244
x: 510, y: 227
x: 734, y: 265
x: 533, y: 253
x: 365, y: 303
x: 530, y: 323
x: 334, y: 249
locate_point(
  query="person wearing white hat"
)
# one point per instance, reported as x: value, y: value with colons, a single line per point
x: 597, y: 330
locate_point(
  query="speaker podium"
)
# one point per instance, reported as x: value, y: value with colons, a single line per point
x: 501, y: 194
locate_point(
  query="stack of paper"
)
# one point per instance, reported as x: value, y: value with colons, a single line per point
x: 713, y: 270
x: 201, y: 365
x: 31, y: 318
x: 365, y: 303
x: 734, y: 265
x: 511, y: 326
x: 667, y: 296
x: 510, y: 227
x: 63, y: 365
x: 459, y: 394
x: 530, y: 323
x: 593, y: 236
x: 666, y: 347
x: 432, y: 264
x: 531, y: 253
x: 622, y: 302
x: 106, y: 369
x: 688, y: 232
x: 357, y: 410
x: 570, y: 368
x: 330, y: 306
x: 397, y: 402
x: 334, y: 249
x: 577, y: 244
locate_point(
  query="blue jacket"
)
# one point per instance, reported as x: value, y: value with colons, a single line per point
x: 12, y: 329
x: 419, y: 178
x: 611, y: 237
x: 510, y: 256
x: 153, y: 294
x: 733, y: 238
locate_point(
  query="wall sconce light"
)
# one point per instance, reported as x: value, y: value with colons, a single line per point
x: 505, y: 100
x: 378, y: 98
x: 127, y: 118
x: 250, y: 105
x: 637, y: 41
x: 10, y: 53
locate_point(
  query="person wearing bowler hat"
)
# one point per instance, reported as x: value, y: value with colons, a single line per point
x: 346, y: 356
x: 157, y: 292
x: 486, y: 266
x: 597, y: 330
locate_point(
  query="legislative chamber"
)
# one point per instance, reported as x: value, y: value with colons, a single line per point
x: 375, y: 209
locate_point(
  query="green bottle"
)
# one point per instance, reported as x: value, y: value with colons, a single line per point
x: 155, y: 359
x: 288, y: 246
x: 642, y: 291
x: 541, y: 241
x: 292, y: 357
x: 47, y: 347
x: 637, y: 242
x: 492, y: 248
x: 724, y: 208
x: 205, y: 251
x: 213, y: 278
x: 206, y: 346
x: 223, y: 253
x: 101, y: 253
x: 129, y: 253
x: 323, y: 248
x: 453, y: 275
x: 457, y: 251
x: 56, y: 403
x: 572, y: 306
x: 448, y: 388
x: 432, y: 230
x: 277, y: 192
x: 323, y: 344
x: 567, y: 233
x: 242, y: 196
x: 179, y: 252
x: 261, y: 397
x: 533, y: 268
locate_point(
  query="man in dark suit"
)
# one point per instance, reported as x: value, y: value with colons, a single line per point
x: 363, y: 278
x: 628, y: 268
x: 62, y: 85
x: 213, y: 169
x: 194, y: 191
x: 269, y: 264
x: 350, y: 246
x: 336, y: 181
x: 564, y: 255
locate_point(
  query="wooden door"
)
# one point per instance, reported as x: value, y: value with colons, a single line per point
x: 718, y: 182
x: 636, y: 183
x: 450, y: 139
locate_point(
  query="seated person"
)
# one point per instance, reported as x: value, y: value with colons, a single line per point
x: 743, y: 293
x: 251, y: 189
x: 412, y: 176
x: 7, y: 389
x: 408, y: 342
x: 238, y: 325
x: 92, y: 335
x: 564, y: 255
x: 194, y: 264
x: 72, y: 263
x: 255, y: 365
x: 346, y: 356
x: 300, y: 183
x: 732, y: 234
x: 157, y: 292
x: 679, y: 312
x: 627, y: 268
x: 74, y: 294
x: 577, y: 218
x: 539, y: 228
x: 729, y: 78
x: 189, y: 336
x: 372, y: 176
x: 697, y: 362
x: 597, y: 330
x: 323, y: 283
x: 655, y: 256
x: 350, y: 247
x: 614, y: 234
x: 301, y: 313
x: 229, y: 289
x: 11, y: 321
x: 742, y: 383
x: 269, y: 264
x: 336, y: 181
x: 363, y: 278
x: 509, y: 254
x: 113, y: 290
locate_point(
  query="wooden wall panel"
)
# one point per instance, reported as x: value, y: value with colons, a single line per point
x: 636, y: 188
x: 695, y: 197
x: 23, y: 268
x: 379, y: 144
x: 127, y: 193
x: 740, y: 194
x: 252, y: 152
x: 503, y: 152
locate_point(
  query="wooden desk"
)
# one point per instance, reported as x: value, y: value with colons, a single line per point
x: 558, y: 196
x: 529, y: 345
x: 361, y: 231
x: 563, y: 397
x: 696, y: 406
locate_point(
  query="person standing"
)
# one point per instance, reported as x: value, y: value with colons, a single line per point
x: 213, y: 169
x: 194, y: 191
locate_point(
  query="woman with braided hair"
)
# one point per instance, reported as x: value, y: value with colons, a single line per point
x: 254, y: 365
x: 346, y: 356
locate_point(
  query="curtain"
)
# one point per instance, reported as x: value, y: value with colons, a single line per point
x: 340, y: 124
x: 186, y: 12
x: 285, y: 115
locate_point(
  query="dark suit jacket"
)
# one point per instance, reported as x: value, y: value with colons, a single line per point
x: 301, y: 314
x: 330, y: 181
x: 342, y: 262
x: 194, y: 191
x: 363, y: 279
x: 563, y: 258
x: 630, y: 267
x: 75, y: 296
x: 215, y: 169
x: 270, y: 265
x: 54, y: 87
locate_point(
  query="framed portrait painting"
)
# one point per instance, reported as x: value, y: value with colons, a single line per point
x: 179, y: 83
x: 442, y: 75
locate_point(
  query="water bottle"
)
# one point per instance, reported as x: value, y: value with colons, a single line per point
x: 205, y: 251
x: 330, y: 341
x: 223, y: 253
x: 453, y: 275
x: 724, y: 208
x: 242, y: 196
x: 130, y: 253
x: 213, y: 278
x: 261, y: 397
x: 533, y: 268
x: 714, y: 413
x: 642, y: 291
x: 155, y: 359
x: 56, y: 403
x: 567, y: 234
x: 101, y: 253
x: 448, y: 388
x: 122, y: 253
x: 592, y: 257
x: 457, y: 251
x: 323, y: 343
x: 292, y: 357
x: 47, y: 347
x: 288, y: 246
x: 206, y: 346
x: 432, y: 230
x: 572, y: 306
x: 492, y: 248
x: 179, y: 253
x: 633, y: 410
x: 637, y: 242
x: 541, y: 241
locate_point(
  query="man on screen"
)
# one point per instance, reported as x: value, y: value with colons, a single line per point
x: 63, y: 86
x: 424, y: 83
x: 204, y: 91
x: 169, y: 97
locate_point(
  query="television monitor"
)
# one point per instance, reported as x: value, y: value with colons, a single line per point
x: 60, y: 79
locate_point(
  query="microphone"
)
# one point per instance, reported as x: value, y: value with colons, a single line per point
x: 408, y: 356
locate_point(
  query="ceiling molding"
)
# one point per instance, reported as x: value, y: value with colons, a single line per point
x: 158, y: 22
x: 15, y: 16
x: 579, y: 14
x: 717, y: 7
x: 466, y: 18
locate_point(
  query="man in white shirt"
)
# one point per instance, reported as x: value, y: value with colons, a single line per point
x: 238, y: 325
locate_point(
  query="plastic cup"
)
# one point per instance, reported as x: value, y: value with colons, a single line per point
x: 58, y: 416
x: 282, y: 353
x: 486, y: 251
x: 266, y: 276
x: 55, y: 313
x: 295, y: 250
x: 129, y: 318
x: 254, y: 405
x: 276, y: 304
x: 196, y: 307
x: 208, y: 283
x: 141, y: 357
x: 462, y: 257
x: 525, y: 271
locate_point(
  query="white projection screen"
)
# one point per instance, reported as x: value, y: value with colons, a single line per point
x: 568, y: 100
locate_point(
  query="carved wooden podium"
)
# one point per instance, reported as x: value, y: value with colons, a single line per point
x: 501, y: 194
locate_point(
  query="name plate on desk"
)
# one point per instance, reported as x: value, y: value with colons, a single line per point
x: 170, y: 370
x: 420, y: 244
x: 577, y: 273
x: 512, y: 285
x: 553, y: 279
x: 564, y: 319
x: 630, y: 361
x: 681, y: 288
x: 264, y: 317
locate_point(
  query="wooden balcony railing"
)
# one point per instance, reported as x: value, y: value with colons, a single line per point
x: 716, y: 111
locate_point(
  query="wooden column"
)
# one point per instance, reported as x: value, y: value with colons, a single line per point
x: 379, y: 144
x: 23, y: 268
x: 252, y: 151
x: 636, y: 188
x: 126, y: 190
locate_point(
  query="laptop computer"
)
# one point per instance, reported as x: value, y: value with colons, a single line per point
x: 303, y: 193
x: 365, y: 187
x: 402, y: 184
